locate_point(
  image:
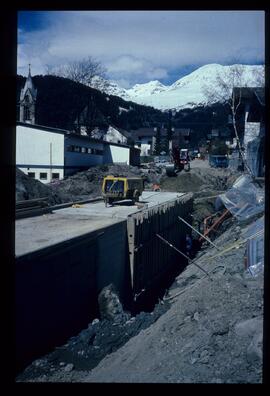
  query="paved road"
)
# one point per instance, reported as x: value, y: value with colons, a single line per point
x: 198, y: 163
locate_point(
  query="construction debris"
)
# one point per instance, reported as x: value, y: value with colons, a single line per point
x: 245, y: 199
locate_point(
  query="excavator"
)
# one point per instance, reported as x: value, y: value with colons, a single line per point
x: 180, y: 160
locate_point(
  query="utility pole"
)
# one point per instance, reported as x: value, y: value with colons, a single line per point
x: 50, y: 161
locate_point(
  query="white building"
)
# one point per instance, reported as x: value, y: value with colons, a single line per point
x: 48, y: 154
x: 115, y: 135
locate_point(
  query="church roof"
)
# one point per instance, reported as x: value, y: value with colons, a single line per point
x: 29, y: 86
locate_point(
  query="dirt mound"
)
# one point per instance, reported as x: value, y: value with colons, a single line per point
x: 200, y: 180
x: 87, y: 184
x: 27, y: 188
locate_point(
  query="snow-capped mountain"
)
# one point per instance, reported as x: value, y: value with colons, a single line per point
x: 189, y: 91
x: 150, y: 88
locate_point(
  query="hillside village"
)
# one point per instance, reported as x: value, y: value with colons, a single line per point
x: 201, y: 323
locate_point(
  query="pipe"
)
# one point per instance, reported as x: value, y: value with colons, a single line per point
x: 207, y: 239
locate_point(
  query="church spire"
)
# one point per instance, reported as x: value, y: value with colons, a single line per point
x: 28, y: 99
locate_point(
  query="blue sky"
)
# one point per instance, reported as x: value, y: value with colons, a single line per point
x: 139, y: 46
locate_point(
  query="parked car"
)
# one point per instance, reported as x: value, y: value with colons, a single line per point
x: 193, y: 154
x: 218, y: 161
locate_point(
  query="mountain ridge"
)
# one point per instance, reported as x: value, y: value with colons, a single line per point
x: 188, y: 91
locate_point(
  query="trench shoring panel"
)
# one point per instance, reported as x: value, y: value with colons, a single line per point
x: 149, y: 257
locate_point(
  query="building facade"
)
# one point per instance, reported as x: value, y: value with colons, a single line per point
x: 145, y: 138
x: 251, y: 126
x: 48, y: 154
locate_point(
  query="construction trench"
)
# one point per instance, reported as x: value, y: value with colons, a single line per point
x: 64, y: 259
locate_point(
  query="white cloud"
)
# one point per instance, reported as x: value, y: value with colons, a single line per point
x: 139, y: 45
x: 127, y: 64
x: 157, y: 73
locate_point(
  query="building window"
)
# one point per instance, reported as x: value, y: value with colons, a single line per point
x: 55, y: 175
x: 31, y: 174
x: 89, y: 151
x: 70, y: 148
x: 84, y: 149
x: 26, y: 113
x: 77, y: 149
x: 43, y: 176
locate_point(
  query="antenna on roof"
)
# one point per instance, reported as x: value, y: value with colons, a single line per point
x: 29, y: 68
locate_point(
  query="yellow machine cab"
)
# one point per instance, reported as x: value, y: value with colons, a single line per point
x: 116, y: 188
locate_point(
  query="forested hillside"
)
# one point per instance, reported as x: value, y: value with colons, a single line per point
x: 60, y: 101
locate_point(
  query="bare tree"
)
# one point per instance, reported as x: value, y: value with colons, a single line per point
x: 228, y: 89
x: 87, y: 71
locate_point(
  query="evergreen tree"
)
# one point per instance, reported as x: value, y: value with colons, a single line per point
x: 158, y: 146
x: 168, y: 134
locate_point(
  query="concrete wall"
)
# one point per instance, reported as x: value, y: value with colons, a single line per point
x: 113, y: 260
x: 57, y: 288
x: 39, y: 151
x: 55, y: 296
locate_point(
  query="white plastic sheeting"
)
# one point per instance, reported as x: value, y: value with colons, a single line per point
x: 255, y: 246
x: 245, y: 199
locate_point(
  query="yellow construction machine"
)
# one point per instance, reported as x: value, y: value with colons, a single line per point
x: 119, y: 188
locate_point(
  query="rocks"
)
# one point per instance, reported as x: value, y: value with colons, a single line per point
x: 254, y: 350
x: 110, y: 306
x: 249, y: 327
x: 196, y: 316
x: 69, y: 367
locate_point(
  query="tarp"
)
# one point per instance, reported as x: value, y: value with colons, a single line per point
x: 255, y: 246
x: 245, y: 199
